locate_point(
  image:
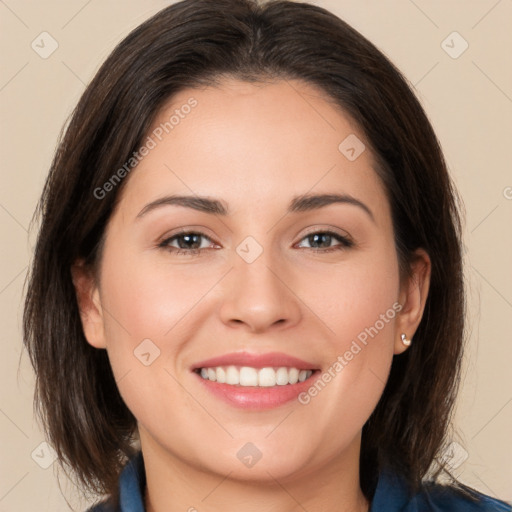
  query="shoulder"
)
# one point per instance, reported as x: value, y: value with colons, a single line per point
x: 436, y: 497
x: 104, y: 506
x: 392, y: 495
x: 131, y: 489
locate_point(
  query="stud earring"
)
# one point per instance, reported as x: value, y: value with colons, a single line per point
x: 405, y: 341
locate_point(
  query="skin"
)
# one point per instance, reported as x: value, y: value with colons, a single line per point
x: 255, y: 147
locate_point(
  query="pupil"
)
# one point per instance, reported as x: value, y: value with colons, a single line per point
x: 189, y: 239
x: 317, y: 239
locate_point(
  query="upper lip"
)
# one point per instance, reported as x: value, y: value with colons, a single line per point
x: 274, y: 359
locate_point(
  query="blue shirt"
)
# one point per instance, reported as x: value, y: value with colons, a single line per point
x: 390, y: 495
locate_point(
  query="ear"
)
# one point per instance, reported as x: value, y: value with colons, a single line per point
x: 413, y: 296
x: 89, y: 304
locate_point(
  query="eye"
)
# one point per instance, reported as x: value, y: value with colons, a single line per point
x: 324, y: 239
x: 189, y: 242
x: 193, y: 242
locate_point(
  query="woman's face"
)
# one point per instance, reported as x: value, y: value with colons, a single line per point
x: 278, y: 263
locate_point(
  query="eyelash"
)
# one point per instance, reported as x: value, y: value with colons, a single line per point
x: 345, y: 243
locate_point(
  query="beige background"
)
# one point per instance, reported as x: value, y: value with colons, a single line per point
x: 468, y: 99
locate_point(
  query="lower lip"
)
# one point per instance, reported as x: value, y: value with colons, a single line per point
x: 252, y: 397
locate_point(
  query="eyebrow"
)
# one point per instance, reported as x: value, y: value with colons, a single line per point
x: 303, y: 203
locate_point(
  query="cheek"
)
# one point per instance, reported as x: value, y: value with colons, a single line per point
x: 359, y: 297
x: 152, y: 312
x: 150, y: 298
x: 148, y: 311
x: 359, y: 305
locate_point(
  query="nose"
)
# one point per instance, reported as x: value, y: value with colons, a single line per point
x: 258, y: 297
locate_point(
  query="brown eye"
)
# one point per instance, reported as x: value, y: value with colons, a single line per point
x: 324, y: 240
x: 187, y: 242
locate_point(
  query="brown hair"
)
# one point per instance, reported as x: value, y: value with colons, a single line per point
x: 197, y: 42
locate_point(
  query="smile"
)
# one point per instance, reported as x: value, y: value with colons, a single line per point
x: 260, y: 377
x: 255, y: 381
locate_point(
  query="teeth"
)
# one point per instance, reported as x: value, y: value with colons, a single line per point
x: 221, y: 375
x: 303, y: 375
x: 248, y: 376
x: 232, y: 376
x: 293, y: 377
x: 267, y: 377
x: 282, y: 376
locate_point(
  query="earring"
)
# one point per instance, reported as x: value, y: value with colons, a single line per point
x: 405, y: 341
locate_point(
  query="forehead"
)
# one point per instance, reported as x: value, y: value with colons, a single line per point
x: 254, y: 143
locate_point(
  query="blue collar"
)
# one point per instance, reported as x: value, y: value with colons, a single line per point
x: 391, y: 495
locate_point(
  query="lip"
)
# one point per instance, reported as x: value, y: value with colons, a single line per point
x: 255, y: 397
x: 274, y: 359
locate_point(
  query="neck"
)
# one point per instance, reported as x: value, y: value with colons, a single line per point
x: 176, y: 485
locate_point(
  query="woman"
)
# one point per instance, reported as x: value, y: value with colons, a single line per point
x: 247, y: 289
